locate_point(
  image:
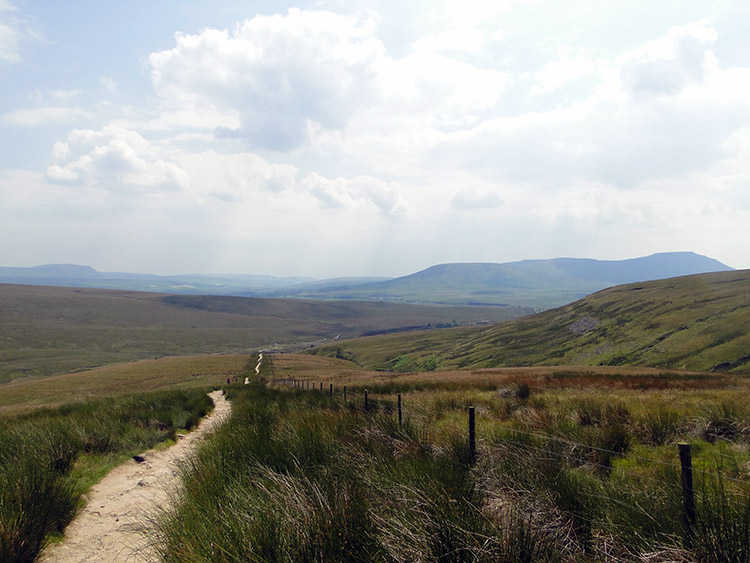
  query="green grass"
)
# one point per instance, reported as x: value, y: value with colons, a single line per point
x: 50, y: 457
x: 125, y: 379
x: 578, y: 473
x: 694, y: 322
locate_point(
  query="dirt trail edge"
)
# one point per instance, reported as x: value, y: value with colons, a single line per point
x: 112, y: 524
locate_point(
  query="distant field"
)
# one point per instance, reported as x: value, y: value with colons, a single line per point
x: 123, y: 379
x: 52, y: 330
x: 697, y: 322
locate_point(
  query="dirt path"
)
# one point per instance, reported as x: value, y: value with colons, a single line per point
x: 111, y: 526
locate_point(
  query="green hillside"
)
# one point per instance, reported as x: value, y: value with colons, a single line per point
x: 699, y: 322
x: 539, y: 284
x: 47, y: 330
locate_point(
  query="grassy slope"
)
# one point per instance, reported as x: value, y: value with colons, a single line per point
x: 692, y: 322
x: 123, y: 379
x: 47, y: 330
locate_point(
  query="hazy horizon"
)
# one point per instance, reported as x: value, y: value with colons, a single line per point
x: 311, y: 278
x: 325, y: 138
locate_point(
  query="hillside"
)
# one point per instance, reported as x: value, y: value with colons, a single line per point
x: 539, y: 284
x: 46, y: 330
x: 699, y: 322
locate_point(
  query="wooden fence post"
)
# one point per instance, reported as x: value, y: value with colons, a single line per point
x: 399, y: 410
x: 330, y: 389
x: 321, y: 386
x: 344, y: 393
x: 367, y: 407
x: 688, y: 495
x: 472, y: 436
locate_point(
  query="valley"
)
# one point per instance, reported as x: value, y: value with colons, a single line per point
x: 579, y: 411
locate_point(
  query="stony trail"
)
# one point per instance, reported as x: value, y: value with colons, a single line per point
x: 114, y: 523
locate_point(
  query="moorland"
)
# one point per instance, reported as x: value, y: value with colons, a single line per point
x: 53, y: 330
x: 579, y: 411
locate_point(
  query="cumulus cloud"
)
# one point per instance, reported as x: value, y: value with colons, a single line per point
x: 286, y: 80
x: 114, y: 158
x: 236, y: 177
x: 654, y: 123
x: 282, y: 76
x: 350, y: 192
x: 670, y: 64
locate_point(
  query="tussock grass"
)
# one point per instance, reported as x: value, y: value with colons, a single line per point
x: 563, y: 475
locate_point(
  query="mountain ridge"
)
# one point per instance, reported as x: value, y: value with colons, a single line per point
x: 541, y: 284
x: 536, y: 283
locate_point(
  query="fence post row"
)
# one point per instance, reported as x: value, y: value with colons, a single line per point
x: 686, y: 463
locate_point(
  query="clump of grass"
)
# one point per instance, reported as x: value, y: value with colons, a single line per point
x: 568, y: 475
x: 722, y: 531
x: 340, y: 484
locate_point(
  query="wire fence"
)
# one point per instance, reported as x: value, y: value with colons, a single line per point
x: 511, y: 440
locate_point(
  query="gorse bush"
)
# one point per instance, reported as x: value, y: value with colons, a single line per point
x: 38, y: 451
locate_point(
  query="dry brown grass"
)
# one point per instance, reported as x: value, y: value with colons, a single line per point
x: 122, y: 379
x: 342, y: 372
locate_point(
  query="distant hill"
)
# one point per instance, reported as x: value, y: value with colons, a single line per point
x: 536, y: 284
x: 699, y: 322
x: 47, y: 330
x: 71, y: 275
x: 540, y: 284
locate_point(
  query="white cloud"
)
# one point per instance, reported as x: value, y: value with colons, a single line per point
x: 472, y: 198
x: 44, y: 115
x: 108, y: 83
x: 559, y: 72
x: 236, y: 177
x: 670, y: 64
x: 288, y: 80
x: 352, y: 192
x: 114, y: 158
x: 282, y: 76
x: 9, y: 39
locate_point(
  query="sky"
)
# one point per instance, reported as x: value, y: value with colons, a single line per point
x: 354, y: 138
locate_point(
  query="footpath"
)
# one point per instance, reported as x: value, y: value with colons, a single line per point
x: 115, y: 523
